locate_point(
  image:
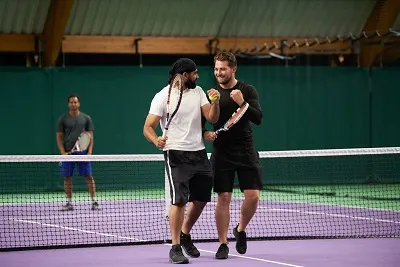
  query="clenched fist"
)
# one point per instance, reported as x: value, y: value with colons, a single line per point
x: 209, y: 136
x: 237, y: 96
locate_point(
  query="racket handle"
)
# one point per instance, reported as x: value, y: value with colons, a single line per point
x: 164, y: 133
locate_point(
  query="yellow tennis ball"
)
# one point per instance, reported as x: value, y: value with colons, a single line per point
x: 213, y: 98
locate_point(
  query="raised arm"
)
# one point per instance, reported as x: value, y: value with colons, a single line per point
x: 254, y: 113
x: 210, y: 111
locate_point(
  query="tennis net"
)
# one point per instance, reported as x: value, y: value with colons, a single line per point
x: 338, y: 193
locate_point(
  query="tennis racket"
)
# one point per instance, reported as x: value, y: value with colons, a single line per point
x: 82, y: 143
x: 174, y: 99
x: 236, y: 116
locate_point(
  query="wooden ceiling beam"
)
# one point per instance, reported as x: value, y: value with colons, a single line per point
x: 194, y: 45
x: 54, y: 29
x: 160, y: 45
x: 17, y: 42
x: 382, y: 17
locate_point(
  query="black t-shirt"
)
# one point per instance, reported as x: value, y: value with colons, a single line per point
x: 240, y: 136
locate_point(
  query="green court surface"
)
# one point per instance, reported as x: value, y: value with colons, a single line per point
x: 366, y: 196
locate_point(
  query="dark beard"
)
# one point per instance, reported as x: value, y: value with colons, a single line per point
x: 190, y: 84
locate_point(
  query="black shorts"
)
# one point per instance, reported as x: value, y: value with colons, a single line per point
x: 245, y: 163
x: 189, y: 175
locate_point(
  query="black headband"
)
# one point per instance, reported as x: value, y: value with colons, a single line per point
x: 182, y: 65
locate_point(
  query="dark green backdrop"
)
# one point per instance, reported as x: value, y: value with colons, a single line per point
x: 304, y: 107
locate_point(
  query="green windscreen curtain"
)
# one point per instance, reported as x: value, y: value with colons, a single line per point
x: 303, y: 107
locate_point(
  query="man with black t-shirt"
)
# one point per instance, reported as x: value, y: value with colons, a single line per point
x: 234, y: 151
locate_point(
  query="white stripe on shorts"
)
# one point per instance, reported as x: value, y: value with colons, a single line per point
x: 171, y: 183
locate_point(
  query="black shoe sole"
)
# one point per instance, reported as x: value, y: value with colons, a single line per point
x: 241, y: 252
x: 179, y: 262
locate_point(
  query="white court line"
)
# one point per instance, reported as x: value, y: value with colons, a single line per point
x: 97, y: 214
x: 250, y: 258
x: 79, y: 230
x: 333, y: 205
x: 115, y: 215
x: 135, y: 239
x: 84, y: 215
x: 81, y: 202
x: 331, y: 214
x: 311, y: 204
x: 257, y: 259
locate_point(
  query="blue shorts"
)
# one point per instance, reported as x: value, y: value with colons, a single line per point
x: 84, y: 167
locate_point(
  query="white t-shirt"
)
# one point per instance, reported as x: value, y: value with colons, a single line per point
x: 185, y: 130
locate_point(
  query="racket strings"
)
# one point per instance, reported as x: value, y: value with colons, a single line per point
x: 84, y: 141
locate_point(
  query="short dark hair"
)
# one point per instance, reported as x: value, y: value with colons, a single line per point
x: 226, y: 56
x: 74, y: 95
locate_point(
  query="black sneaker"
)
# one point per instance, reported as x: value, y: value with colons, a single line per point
x: 241, y: 241
x: 222, y: 252
x: 176, y: 255
x: 188, y: 247
x: 67, y: 207
x: 95, y: 206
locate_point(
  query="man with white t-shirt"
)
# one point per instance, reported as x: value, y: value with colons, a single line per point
x: 186, y: 162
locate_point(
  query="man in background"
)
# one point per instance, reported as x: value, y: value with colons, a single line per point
x: 69, y: 128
